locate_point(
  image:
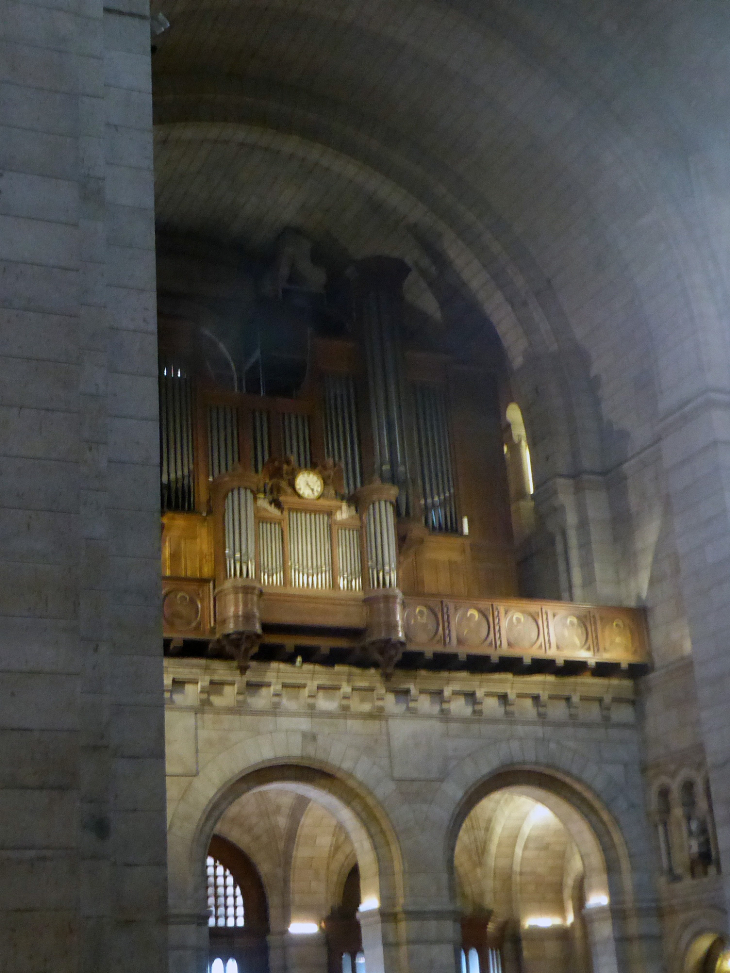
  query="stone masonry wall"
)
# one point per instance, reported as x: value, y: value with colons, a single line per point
x: 415, y: 752
x: 82, y: 841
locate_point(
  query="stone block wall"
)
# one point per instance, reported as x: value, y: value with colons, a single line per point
x: 410, y: 758
x: 82, y: 840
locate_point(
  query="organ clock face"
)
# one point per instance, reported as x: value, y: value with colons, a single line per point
x: 309, y: 484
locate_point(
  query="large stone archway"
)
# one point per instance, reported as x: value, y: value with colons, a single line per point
x: 337, y: 790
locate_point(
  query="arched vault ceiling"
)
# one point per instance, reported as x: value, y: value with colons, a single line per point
x: 543, y: 148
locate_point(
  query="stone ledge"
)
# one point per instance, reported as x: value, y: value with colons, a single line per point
x: 211, y: 685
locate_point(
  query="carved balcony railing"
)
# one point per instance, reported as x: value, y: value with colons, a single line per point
x: 466, y: 634
x: 268, y: 571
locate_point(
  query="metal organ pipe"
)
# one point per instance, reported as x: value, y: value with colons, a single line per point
x: 295, y: 434
x: 271, y: 553
x: 348, y: 555
x: 176, y: 441
x: 310, y: 549
x: 240, y: 537
x: 380, y: 540
x: 377, y: 292
x: 223, y: 452
x: 445, y: 439
x: 341, y: 437
x: 434, y: 458
x: 260, y: 424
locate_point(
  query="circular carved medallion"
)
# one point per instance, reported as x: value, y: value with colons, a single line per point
x: 571, y: 633
x: 521, y: 629
x: 619, y: 638
x: 180, y: 609
x: 420, y: 624
x: 472, y: 627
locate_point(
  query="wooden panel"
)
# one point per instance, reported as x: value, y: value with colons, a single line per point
x: 187, y: 548
x: 481, y: 476
x: 325, y: 609
x: 527, y: 629
x: 187, y: 607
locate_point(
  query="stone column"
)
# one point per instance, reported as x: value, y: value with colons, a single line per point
x: 82, y: 778
x: 377, y: 286
x: 277, y: 951
x: 380, y: 942
x: 431, y: 939
x: 696, y: 454
x: 188, y: 942
x: 306, y: 954
x: 599, y: 930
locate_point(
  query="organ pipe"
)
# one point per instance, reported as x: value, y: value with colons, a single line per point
x: 295, y: 434
x: 381, y: 544
x: 348, y: 556
x: 271, y: 553
x: 223, y: 453
x: 378, y: 304
x: 239, y: 532
x: 177, y: 460
x: 433, y: 450
x: 340, y: 428
x: 260, y: 429
x: 310, y: 549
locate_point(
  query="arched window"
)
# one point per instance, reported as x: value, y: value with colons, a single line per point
x: 463, y: 962
x: 473, y: 961
x: 225, y: 903
x: 360, y: 963
x: 519, y: 464
x: 218, y: 966
x: 664, y: 811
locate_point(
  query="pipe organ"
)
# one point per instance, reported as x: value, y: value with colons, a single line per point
x: 332, y: 516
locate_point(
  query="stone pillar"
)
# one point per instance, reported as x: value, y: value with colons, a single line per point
x: 380, y: 941
x: 599, y: 930
x: 277, y: 951
x: 82, y: 793
x: 431, y: 939
x: 377, y: 286
x: 188, y: 942
x: 306, y: 954
x: 636, y: 932
x: 696, y: 454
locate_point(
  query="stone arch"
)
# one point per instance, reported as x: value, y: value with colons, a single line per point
x: 611, y: 830
x: 348, y: 784
x: 699, y: 932
x: 318, y: 837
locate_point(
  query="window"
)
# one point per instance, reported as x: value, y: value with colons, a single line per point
x: 218, y: 966
x: 225, y: 905
x: 473, y: 961
x: 360, y: 963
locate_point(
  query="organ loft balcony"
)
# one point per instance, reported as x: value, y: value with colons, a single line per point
x: 339, y: 494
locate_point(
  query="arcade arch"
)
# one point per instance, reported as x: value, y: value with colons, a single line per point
x: 539, y: 859
x: 305, y: 830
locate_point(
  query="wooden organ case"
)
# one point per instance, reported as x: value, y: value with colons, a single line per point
x: 400, y: 550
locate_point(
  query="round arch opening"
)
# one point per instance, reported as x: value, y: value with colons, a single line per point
x: 536, y: 862
x: 315, y: 842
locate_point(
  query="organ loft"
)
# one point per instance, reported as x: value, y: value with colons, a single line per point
x: 341, y: 484
x: 349, y: 532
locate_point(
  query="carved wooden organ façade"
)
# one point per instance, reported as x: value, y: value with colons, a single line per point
x: 362, y: 516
